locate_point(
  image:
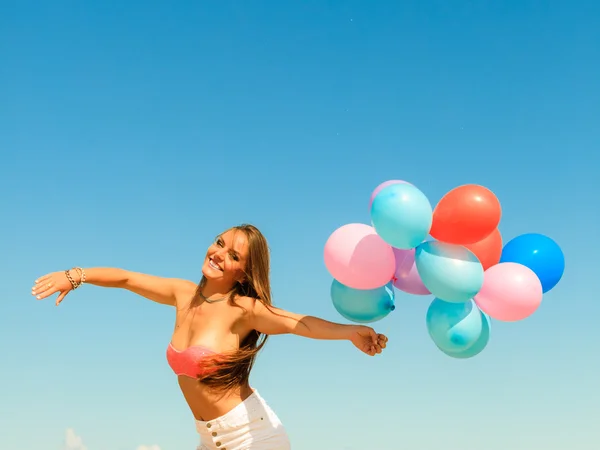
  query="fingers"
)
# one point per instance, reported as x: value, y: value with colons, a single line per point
x: 373, y: 336
x: 382, y: 340
x: 372, y: 350
x: 61, y: 297
x: 42, y: 285
x: 40, y: 295
x: 43, y: 288
x: 377, y: 347
x: 43, y: 278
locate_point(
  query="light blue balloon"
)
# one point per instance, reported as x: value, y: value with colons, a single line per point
x: 478, y: 346
x: 450, y: 272
x: 402, y: 215
x: 454, y: 327
x: 362, y: 305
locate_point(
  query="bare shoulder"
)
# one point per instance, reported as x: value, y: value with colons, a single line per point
x: 185, y: 286
x: 268, y: 319
x: 165, y: 290
x: 248, y: 303
x: 250, y: 310
x: 256, y: 308
x: 184, y: 291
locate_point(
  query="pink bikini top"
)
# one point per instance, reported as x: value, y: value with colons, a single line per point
x: 189, y: 362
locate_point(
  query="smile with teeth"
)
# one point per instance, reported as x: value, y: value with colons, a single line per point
x: 213, y: 265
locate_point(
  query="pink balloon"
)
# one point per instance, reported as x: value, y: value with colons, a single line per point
x: 383, y: 185
x: 357, y: 257
x: 406, y: 277
x: 510, y: 292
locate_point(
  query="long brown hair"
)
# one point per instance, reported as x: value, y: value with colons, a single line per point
x: 232, y: 370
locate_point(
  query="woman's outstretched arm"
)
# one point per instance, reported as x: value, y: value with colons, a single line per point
x: 270, y: 320
x: 158, y: 289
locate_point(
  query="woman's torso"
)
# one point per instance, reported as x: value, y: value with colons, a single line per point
x: 219, y: 327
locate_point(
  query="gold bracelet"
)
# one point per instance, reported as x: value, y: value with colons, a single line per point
x: 71, y: 280
x: 81, y: 273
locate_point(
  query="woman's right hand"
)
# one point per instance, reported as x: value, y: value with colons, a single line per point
x: 52, y: 283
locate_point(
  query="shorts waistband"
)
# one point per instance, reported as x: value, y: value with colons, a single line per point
x: 241, y: 414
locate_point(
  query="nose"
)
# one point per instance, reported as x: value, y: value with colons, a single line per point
x: 220, y: 254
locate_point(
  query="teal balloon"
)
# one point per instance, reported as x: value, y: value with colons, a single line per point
x: 454, y: 327
x: 479, y: 345
x: 402, y: 215
x: 362, y: 305
x: 450, y: 272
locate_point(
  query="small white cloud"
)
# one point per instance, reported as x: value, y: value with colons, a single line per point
x: 72, y: 441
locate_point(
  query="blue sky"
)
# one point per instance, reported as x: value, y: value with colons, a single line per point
x: 132, y: 133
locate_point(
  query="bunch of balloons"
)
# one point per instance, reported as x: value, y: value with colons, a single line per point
x: 453, y: 252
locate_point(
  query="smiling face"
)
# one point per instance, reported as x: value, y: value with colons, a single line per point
x: 226, y: 258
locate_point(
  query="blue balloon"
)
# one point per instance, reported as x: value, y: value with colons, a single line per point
x: 450, y: 272
x: 362, y: 305
x: 479, y: 345
x: 538, y: 252
x: 454, y: 327
x: 402, y: 215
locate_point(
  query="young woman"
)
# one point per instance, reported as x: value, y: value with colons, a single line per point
x: 221, y: 324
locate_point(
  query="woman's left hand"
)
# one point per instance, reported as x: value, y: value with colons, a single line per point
x: 367, y: 340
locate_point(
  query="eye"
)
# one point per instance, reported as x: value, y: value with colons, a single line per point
x: 219, y: 242
x: 234, y: 256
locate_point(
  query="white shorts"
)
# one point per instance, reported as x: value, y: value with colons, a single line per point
x: 251, y: 425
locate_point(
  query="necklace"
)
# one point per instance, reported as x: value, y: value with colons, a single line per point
x: 214, y: 300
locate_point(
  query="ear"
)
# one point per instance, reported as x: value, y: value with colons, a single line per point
x: 241, y: 278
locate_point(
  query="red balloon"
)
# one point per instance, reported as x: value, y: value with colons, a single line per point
x: 466, y: 215
x: 488, y: 250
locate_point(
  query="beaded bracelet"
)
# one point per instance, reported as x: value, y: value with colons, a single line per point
x: 81, y: 275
